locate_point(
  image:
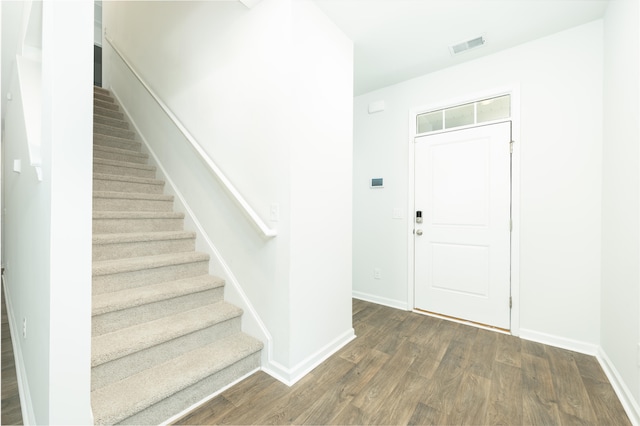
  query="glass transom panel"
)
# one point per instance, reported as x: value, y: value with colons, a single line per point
x: 482, y: 111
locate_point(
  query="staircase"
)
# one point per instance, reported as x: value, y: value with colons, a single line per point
x: 163, y: 338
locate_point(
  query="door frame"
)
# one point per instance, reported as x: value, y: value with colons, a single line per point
x: 514, y: 91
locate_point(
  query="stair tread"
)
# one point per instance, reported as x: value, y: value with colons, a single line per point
x: 116, y: 266
x: 119, y: 151
x: 105, y: 105
x: 107, y: 112
x: 109, y: 128
x: 141, y: 237
x: 138, y: 296
x: 132, y: 196
x: 117, y: 122
x: 128, y: 396
x: 133, y: 179
x: 126, y: 341
x: 103, y: 125
x: 117, y: 163
x: 103, y: 97
x: 104, y: 140
x: 118, y: 138
x: 137, y: 215
x: 120, y: 343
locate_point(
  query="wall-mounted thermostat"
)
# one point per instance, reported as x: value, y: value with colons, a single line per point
x: 376, y: 183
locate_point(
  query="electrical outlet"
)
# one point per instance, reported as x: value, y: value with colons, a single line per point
x: 24, y: 328
x: 376, y: 273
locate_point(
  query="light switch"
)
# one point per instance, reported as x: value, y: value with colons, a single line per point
x: 274, y: 212
x: 17, y: 166
x: 376, y: 106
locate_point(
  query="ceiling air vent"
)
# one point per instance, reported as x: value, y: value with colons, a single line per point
x: 466, y: 45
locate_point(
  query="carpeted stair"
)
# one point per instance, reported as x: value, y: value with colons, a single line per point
x: 163, y: 338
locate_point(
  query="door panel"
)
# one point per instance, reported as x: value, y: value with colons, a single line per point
x: 462, y: 258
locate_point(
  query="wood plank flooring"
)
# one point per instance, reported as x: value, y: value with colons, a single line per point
x: 406, y: 368
x: 10, y: 401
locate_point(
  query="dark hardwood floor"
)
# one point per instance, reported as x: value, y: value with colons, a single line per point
x: 406, y: 368
x: 10, y: 401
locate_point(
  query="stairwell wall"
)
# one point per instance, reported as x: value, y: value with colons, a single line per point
x: 229, y: 74
x: 620, y: 333
x: 47, y: 217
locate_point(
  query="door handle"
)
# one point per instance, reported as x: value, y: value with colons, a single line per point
x: 418, y: 231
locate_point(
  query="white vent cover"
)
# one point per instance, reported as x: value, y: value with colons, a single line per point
x: 467, y: 45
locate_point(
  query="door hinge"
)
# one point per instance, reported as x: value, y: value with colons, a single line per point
x: 511, y: 147
x: 510, y: 302
x: 510, y: 225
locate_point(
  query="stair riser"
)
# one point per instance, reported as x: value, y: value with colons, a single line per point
x: 103, y: 140
x: 103, y: 112
x: 103, y: 97
x: 184, y: 399
x: 111, y: 122
x: 114, y: 226
x: 113, y: 131
x: 119, y: 186
x: 105, y: 105
x: 125, y: 280
x: 127, y: 205
x: 123, y: 171
x: 110, y: 372
x: 113, y: 321
x: 145, y: 248
x: 119, y: 157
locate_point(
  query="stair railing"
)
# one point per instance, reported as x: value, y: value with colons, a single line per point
x: 235, y: 194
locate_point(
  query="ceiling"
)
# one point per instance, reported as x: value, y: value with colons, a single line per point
x: 395, y: 40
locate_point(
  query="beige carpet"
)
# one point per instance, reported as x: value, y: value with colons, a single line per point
x: 163, y: 338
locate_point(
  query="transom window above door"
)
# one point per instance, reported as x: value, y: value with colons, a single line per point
x: 482, y: 111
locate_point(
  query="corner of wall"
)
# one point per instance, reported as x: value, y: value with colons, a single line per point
x: 290, y: 376
x: 26, y: 403
x: 621, y: 389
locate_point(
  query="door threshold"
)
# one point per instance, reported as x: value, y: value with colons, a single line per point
x: 463, y: 321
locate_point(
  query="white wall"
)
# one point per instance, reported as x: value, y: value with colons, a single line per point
x: 232, y: 76
x: 620, y: 331
x: 215, y: 103
x: 321, y: 163
x: 560, y: 82
x: 47, y: 224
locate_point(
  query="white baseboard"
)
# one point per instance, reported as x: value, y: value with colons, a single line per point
x: 398, y: 304
x: 559, y: 342
x: 622, y: 390
x: 290, y: 376
x: 26, y: 404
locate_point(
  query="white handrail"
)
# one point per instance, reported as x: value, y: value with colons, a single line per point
x: 257, y: 220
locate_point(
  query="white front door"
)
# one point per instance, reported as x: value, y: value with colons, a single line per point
x: 462, y: 246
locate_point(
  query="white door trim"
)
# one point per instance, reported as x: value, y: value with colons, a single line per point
x: 514, y: 91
